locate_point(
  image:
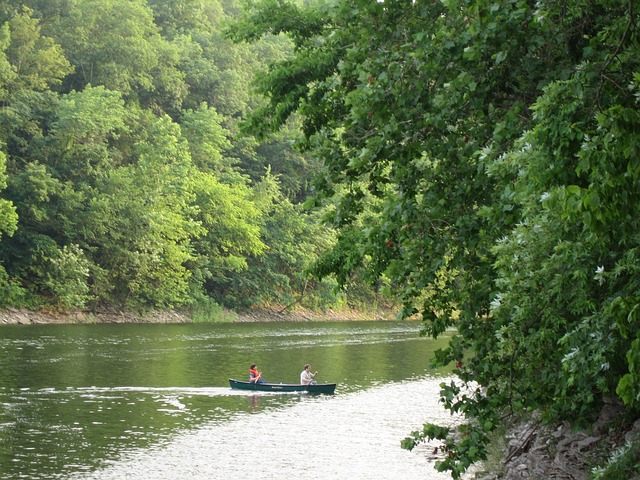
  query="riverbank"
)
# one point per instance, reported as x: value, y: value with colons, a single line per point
x: 530, y: 449
x: 22, y: 316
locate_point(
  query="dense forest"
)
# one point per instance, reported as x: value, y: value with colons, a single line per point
x: 478, y: 160
x: 484, y: 159
x: 125, y: 180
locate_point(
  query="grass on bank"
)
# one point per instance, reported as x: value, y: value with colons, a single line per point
x: 211, y: 312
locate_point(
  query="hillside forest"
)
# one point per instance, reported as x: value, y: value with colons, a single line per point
x: 126, y: 182
x: 479, y: 161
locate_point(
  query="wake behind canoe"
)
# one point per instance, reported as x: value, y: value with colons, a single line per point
x: 327, y: 388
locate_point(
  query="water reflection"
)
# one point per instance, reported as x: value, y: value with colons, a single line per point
x: 254, y: 403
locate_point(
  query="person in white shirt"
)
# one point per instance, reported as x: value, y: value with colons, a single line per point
x: 306, y: 377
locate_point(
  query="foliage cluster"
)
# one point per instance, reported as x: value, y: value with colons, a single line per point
x: 483, y: 158
x: 124, y: 179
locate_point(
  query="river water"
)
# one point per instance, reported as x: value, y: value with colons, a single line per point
x: 128, y: 401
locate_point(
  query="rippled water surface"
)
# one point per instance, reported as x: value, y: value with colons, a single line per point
x: 153, y: 401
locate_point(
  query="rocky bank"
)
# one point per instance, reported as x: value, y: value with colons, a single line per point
x: 539, y: 452
x: 23, y: 316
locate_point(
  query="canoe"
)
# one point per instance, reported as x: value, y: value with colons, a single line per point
x: 327, y: 388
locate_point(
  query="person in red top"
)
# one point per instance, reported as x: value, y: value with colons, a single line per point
x: 254, y: 375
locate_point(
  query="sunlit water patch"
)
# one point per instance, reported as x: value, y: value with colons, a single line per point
x: 346, y: 437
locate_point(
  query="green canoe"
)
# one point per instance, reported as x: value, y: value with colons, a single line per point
x: 327, y: 388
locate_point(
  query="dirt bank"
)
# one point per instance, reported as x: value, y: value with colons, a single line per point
x: 22, y: 316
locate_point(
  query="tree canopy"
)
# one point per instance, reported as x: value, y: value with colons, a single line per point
x: 500, y: 143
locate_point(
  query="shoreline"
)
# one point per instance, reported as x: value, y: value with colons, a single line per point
x: 23, y: 316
